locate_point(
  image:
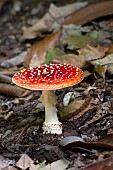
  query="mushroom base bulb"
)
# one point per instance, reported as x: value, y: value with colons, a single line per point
x: 52, y: 128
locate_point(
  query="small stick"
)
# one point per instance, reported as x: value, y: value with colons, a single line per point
x: 13, y: 90
x: 5, y: 79
x: 8, y: 73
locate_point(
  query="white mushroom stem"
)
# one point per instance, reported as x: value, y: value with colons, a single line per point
x: 51, y: 124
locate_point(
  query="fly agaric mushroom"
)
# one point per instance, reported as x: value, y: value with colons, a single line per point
x: 49, y: 78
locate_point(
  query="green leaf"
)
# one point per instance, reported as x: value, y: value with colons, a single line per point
x: 79, y: 41
x: 51, y: 54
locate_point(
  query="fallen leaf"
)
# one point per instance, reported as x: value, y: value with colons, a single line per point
x: 82, y: 60
x: 41, y: 166
x: 73, y: 168
x: 79, y: 41
x: 72, y: 142
x: 55, y: 14
x: 110, y: 68
x: 72, y: 59
x: 87, y: 90
x: 60, y: 164
x: 101, y: 70
x: 70, y: 139
x: 5, y: 162
x: 102, y: 34
x: 16, y: 6
x: 75, y: 109
x: 87, y: 13
x: 24, y: 162
x: 104, y: 61
x: 110, y: 49
x: 9, y: 168
x: 15, y: 61
x: 72, y: 30
x: 93, y: 53
x: 57, y: 165
x: 107, y: 139
x: 51, y: 54
x: 36, y: 54
x: 105, y: 164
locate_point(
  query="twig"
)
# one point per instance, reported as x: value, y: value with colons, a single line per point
x: 5, y: 79
x: 12, y: 90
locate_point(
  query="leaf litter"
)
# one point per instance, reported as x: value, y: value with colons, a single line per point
x: 85, y: 109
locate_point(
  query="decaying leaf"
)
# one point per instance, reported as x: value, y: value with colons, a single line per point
x: 87, y: 14
x: 99, y: 112
x: 104, y: 61
x: 79, y: 41
x: 9, y: 168
x: 72, y: 30
x: 5, y: 162
x: 105, y: 164
x: 24, y: 162
x: 72, y: 59
x: 110, y: 49
x: 36, y: 54
x: 15, y: 61
x: 72, y: 142
x: 70, y: 139
x: 110, y: 68
x: 92, y: 53
x: 82, y: 60
x: 57, y: 165
x: 75, y: 109
x: 55, y: 14
x: 101, y: 70
x: 108, y: 139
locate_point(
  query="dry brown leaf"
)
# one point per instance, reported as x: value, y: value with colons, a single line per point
x: 86, y: 54
x: 104, y: 61
x: 110, y: 50
x: 76, y: 109
x: 54, y: 14
x: 92, y: 53
x: 75, y: 60
x: 110, y: 68
x: 9, y: 168
x: 24, y: 162
x: 105, y: 164
x: 90, y: 12
x: 36, y: 54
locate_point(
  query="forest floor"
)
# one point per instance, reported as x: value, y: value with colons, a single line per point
x: 87, y: 138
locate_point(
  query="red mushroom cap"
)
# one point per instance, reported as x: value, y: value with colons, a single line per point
x: 48, y: 77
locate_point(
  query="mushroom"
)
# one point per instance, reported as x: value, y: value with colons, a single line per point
x: 49, y: 78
